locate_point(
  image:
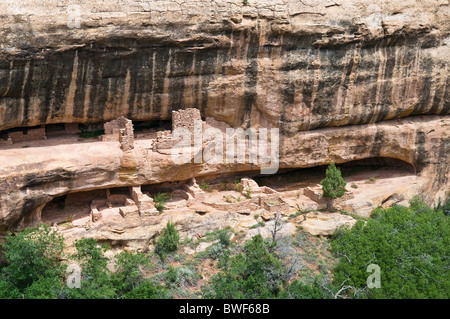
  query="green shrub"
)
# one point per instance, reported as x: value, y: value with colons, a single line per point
x: 33, y: 254
x: 129, y: 271
x: 259, y: 224
x: 238, y: 186
x: 255, y: 273
x: 171, y: 275
x: 417, y: 205
x: 147, y: 290
x: 8, y: 290
x: 410, y: 245
x: 446, y: 207
x: 224, y: 236
x: 45, y: 288
x: 160, y: 200
x: 168, y: 241
x: 205, y: 187
x: 333, y: 185
x: 95, y: 275
x: 180, y: 276
x: 228, y: 199
x: 216, y: 250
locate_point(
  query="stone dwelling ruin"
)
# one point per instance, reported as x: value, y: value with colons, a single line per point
x: 99, y: 207
x: 120, y: 130
x: 26, y: 134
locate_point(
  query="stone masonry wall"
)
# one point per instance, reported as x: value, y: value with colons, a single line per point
x: 121, y: 130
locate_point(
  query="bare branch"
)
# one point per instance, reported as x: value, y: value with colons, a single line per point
x: 277, y: 226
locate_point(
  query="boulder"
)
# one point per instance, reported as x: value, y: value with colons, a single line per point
x: 325, y: 224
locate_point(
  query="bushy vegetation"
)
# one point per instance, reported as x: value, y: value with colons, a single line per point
x: 303, y: 290
x: 409, y: 245
x: 160, y: 200
x: 34, y: 270
x: 253, y: 273
x: 168, y: 241
x: 129, y: 274
x: 95, y: 275
x: 180, y: 276
x: 263, y: 270
x: 333, y: 185
x: 224, y: 235
x: 33, y: 263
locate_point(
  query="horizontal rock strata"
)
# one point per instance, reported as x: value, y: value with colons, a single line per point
x: 32, y: 176
x: 296, y: 65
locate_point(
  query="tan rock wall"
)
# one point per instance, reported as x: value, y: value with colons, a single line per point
x: 29, y: 178
x: 343, y: 80
x: 292, y: 64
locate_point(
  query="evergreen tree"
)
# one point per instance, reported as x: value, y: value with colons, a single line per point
x: 129, y: 271
x: 333, y: 185
x: 255, y: 273
x: 410, y: 245
x: 31, y: 255
x: 95, y: 276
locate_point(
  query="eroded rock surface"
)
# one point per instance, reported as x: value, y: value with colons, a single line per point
x: 326, y: 223
x: 296, y: 65
x: 33, y: 176
x: 343, y: 80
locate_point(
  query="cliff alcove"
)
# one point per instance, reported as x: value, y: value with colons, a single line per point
x: 91, y: 108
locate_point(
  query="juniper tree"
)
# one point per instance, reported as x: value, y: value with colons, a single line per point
x: 333, y: 185
x: 31, y: 255
x: 168, y: 241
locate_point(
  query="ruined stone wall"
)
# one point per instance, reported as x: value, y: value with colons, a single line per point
x: 71, y: 128
x: 185, y: 119
x: 163, y: 141
x: 27, y: 135
x: 120, y: 130
x: 181, y: 119
x: 8, y: 141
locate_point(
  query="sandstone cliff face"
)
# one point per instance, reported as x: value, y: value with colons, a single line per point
x: 31, y: 177
x: 359, y: 73
x: 293, y: 64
